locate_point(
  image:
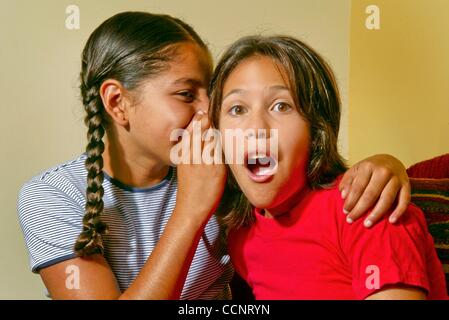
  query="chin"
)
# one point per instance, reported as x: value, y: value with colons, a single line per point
x: 261, y: 200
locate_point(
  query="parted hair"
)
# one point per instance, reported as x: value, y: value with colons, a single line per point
x: 129, y: 47
x: 315, y: 93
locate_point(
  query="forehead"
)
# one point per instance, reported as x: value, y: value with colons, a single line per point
x: 190, y: 61
x: 256, y: 71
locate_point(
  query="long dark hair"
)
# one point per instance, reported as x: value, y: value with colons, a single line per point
x: 316, y: 96
x: 128, y: 47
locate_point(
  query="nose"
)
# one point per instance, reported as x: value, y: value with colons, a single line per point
x: 258, y: 126
x: 202, y: 103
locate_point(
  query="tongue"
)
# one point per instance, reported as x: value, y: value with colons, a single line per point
x: 259, y: 169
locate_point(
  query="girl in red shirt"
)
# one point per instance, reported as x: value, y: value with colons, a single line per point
x: 287, y: 236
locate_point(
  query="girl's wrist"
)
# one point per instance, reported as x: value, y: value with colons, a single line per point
x: 192, y: 216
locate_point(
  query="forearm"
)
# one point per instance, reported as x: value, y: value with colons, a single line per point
x: 165, y: 271
x: 200, y: 188
x: 398, y: 292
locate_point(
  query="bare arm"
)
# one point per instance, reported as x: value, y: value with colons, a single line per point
x: 173, y: 252
x: 199, y: 191
x: 96, y: 280
x: 398, y: 292
x: 164, y: 273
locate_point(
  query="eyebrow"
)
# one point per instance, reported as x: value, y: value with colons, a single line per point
x: 191, y: 81
x: 242, y: 91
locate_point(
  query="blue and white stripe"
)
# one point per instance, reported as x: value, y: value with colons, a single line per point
x: 51, y: 208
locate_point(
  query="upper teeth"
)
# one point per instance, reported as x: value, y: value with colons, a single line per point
x: 262, y: 159
x: 255, y: 156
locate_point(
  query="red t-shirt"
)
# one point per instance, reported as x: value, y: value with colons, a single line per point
x: 313, y: 253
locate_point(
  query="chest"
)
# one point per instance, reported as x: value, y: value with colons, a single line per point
x: 136, y: 223
x: 300, y: 262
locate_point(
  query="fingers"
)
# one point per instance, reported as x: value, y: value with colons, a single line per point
x: 191, y: 142
x: 376, y: 182
x: 357, y: 187
x: 371, y: 194
x: 345, y: 183
x: 199, y: 118
x: 403, y: 202
x: 384, y: 204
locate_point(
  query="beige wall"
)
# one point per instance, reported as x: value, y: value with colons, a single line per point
x: 41, y: 121
x: 399, y: 80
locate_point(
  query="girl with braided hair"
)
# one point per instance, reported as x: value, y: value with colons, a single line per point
x: 129, y: 223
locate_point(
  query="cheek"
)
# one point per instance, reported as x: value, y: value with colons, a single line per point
x: 294, y: 143
x: 222, y: 124
x: 228, y: 146
x: 162, y: 119
x: 178, y: 116
x: 235, y: 170
x: 301, y: 145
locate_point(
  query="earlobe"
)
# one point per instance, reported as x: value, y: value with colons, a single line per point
x: 114, y: 101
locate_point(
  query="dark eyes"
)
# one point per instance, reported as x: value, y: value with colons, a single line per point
x: 237, y: 110
x: 187, y: 95
x: 281, y: 107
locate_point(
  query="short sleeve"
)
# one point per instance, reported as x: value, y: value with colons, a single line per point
x: 51, y: 222
x: 388, y: 253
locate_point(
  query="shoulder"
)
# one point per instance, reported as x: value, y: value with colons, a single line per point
x: 72, y: 170
x: 413, y: 219
x: 50, y: 209
x: 63, y: 176
x: 328, y: 202
x: 329, y: 192
x: 61, y: 185
x: 408, y: 234
x: 400, y: 253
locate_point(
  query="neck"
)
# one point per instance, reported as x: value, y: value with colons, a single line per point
x: 130, y: 166
x: 287, y: 205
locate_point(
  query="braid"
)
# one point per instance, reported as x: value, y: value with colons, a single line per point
x: 90, y: 240
x: 129, y: 48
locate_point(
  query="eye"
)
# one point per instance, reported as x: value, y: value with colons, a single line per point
x: 237, y: 110
x: 282, y: 107
x: 187, y: 95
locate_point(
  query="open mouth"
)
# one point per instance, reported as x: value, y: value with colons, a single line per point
x: 261, y: 168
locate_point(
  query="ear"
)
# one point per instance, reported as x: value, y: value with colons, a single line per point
x: 115, y: 101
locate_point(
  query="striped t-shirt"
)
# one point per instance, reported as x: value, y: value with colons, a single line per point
x: 51, y: 208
